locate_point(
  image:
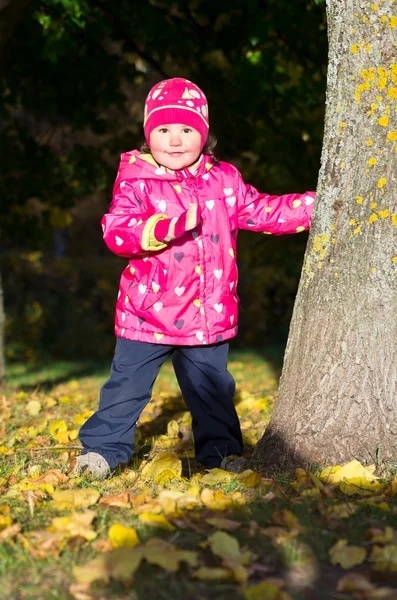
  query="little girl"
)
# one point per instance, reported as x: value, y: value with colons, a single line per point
x: 175, y: 215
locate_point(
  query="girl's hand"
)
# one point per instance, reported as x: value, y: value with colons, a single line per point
x: 167, y: 230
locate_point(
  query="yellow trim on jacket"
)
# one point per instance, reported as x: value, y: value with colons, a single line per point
x: 149, y: 242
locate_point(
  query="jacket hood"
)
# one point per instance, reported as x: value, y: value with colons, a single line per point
x: 136, y: 164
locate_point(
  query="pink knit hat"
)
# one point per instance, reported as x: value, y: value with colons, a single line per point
x: 176, y: 100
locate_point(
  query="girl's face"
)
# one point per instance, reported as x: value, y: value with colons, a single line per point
x: 175, y: 146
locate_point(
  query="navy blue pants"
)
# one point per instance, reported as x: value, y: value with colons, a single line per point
x: 206, y: 385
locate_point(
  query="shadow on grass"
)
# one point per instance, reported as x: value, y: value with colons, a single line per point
x: 47, y: 373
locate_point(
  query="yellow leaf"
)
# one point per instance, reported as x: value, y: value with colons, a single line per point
x: 226, y: 547
x: 361, y: 486
x: 57, y: 428
x: 119, y: 535
x: 327, y: 475
x: 346, y: 556
x: 173, y: 429
x: 382, y: 537
x: 186, y: 500
x: 166, y: 461
x: 77, y: 524
x: 67, y: 499
x: 341, y: 511
x: 166, y: 476
x: 265, y: 590
x: 52, y: 477
x: 392, y: 489
x: 302, y: 480
x: 121, y: 563
x: 215, y: 500
x: 249, y: 478
x: 122, y: 500
x: 82, y: 417
x: 161, y: 553
x: 215, y: 574
x: 216, y: 476
x: 159, y: 521
x: 94, y: 570
x: 385, y: 557
x: 5, y: 521
x: 33, y: 408
x: 351, y: 470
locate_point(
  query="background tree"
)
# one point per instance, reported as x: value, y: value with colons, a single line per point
x: 337, y: 396
x: 74, y: 80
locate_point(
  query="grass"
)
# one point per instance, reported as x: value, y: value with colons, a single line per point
x: 35, y: 563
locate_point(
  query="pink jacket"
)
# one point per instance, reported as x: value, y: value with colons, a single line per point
x: 184, y: 292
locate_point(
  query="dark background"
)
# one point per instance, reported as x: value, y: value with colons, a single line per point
x: 74, y: 78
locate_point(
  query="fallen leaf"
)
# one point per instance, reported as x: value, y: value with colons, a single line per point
x: 33, y: 408
x: 166, y: 476
x: 166, y: 461
x: 77, y: 524
x: 165, y: 555
x: 122, y: 500
x: 53, y: 477
x: 80, y: 498
x: 379, y: 536
x: 216, y: 500
x: 352, y: 470
x: 265, y: 590
x: 159, y: 521
x: 216, y: 476
x: 361, y: 486
x: 121, y: 536
x: 251, y: 479
x: 392, y: 488
x: 341, y: 511
x: 96, y: 569
x: 385, y: 557
x: 346, y: 556
x: 57, y: 428
x: 5, y: 521
x: 227, y: 547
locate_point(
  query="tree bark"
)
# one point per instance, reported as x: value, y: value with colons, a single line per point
x: 337, y: 396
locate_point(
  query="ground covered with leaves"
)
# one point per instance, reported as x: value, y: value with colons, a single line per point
x: 165, y: 528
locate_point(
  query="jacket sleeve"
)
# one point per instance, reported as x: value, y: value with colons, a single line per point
x: 277, y: 215
x: 128, y: 226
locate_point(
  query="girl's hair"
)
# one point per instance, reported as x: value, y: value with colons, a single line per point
x: 209, y: 147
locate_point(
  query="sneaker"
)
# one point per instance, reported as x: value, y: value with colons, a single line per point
x: 92, y: 464
x: 234, y: 464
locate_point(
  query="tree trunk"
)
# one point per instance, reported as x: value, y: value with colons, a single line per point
x: 2, y: 349
x: 337, y: 397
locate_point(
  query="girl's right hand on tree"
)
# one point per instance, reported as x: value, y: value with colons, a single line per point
x: 167, y: 230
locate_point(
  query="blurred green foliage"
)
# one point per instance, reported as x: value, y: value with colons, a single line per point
x: 74, y: 79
